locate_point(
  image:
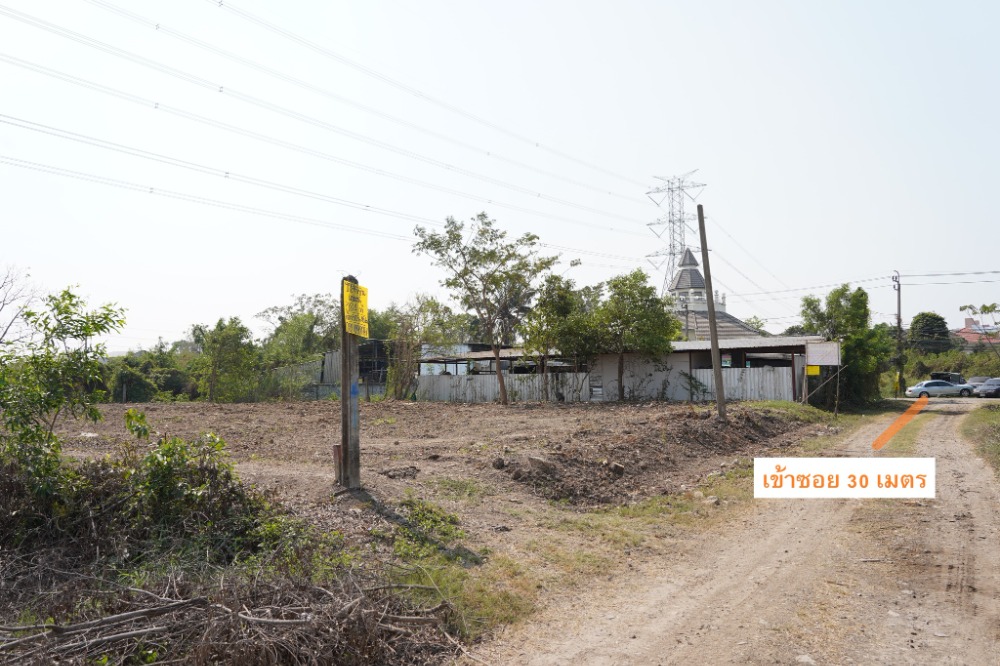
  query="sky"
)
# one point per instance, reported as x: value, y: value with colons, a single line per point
x: 196, y: 159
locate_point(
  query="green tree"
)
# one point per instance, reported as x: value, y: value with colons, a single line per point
x: 757, y: 324
x: 50, y: 372
x: 544, y: 324
x: 929, y: 333
x: 515, y: 304
x: 563, y: 320
x: 842, y: 313
x: 865, y: 351
x: 130, y: 380
x: 301, y: 331
x: 294, y: 340
x: 485, y: 272
x: 380, y: 323
x: 634, y: 319
x: 794, y: 331
x: 152, y: 374
x: 229, y: 368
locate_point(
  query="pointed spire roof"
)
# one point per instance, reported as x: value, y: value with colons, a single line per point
x: 687, y: 276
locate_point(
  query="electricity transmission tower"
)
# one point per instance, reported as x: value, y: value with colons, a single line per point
x: 674, y: 191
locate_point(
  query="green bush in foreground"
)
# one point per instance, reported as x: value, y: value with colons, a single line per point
x: 179, y: 494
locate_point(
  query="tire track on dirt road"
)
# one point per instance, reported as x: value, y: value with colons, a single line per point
x: 948, y: 555
x: 810, y: 581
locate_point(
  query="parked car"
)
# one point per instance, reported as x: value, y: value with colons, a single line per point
x: 988, y: 389
x: 953, y: 377
x: 976, y: 381
x: 933, y: 388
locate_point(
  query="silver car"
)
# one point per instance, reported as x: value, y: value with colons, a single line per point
x: 988, y: 389
x: 938, y: 387
x: 976, y: 381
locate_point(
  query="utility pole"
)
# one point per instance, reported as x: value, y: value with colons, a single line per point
x: 720, y: 393
x: 898, y: 287
x: 353, y: 326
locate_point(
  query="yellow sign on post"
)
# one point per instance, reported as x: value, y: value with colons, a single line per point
x: 356, y: 309
x: 812, y: 370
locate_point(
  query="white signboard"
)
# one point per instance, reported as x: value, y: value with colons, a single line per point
x: 822, y: 353
x: 802, y: 478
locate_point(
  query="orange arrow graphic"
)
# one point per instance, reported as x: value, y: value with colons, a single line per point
x: 898, y: 424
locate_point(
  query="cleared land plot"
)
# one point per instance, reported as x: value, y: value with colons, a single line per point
x: 504, y: 510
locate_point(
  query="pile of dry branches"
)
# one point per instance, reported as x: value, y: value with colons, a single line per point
x: 239, y: 620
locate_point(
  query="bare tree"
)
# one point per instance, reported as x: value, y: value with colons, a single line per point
x: 424, y: 324
x: 16, y: 296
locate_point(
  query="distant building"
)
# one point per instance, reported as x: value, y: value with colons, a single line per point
x: 974, y: 333
x: 691, y: 305
x: 458, y: 359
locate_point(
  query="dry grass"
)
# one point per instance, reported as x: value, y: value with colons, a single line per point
x: 982, y: 428
x: 905, y: 442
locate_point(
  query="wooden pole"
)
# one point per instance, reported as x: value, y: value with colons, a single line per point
x: 898, y: 286
x: 836, y: 404
x: 794, y: 392
x: 349, y: 459
x: 720, y: 393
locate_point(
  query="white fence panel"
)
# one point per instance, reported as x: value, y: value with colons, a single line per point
x: 486, y: 388
x: 749, y: 383
x: 740, y: 383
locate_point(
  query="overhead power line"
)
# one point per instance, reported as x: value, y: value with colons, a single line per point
x: 735, y: 268
x: 164, y: 159
x: 201, y: 168
x: 252, y: 210
x: 194, y: 79
x: 148, y: 103
x: 819, y: 286
x: 924, y: 284
x: 326, y: 92
x: 191, y: 198
x: 715, y: 222
x: 250, y: 180
x: 137, y: 187
x: 191, y: 78
x: 368, y: 71
x: 604, y: 255
x: 952, y: 274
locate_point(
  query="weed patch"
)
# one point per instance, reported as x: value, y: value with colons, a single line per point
x: 982, y: 428
x: 219, y: 572
x: 480, y: 591
x: 463, y: 489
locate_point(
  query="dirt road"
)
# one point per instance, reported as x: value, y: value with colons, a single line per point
x: 808, y: 581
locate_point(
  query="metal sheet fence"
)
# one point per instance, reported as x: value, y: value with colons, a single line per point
x: 294, y: 381
x: 563, y: 387
x: 749, y: 383
x: 315, y: 380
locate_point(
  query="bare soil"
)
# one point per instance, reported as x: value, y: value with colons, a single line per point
x: 764, y: 582
x: 809, y: 581
x: 585, y: 455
